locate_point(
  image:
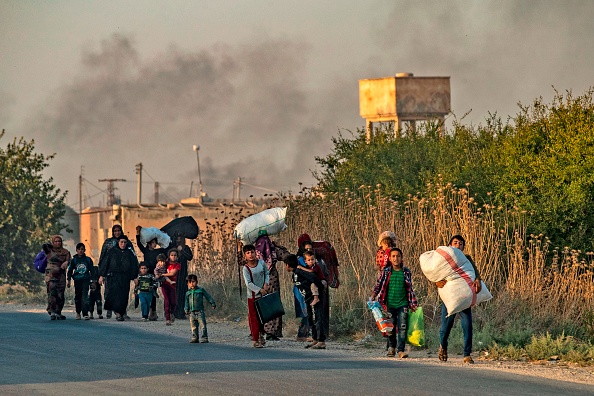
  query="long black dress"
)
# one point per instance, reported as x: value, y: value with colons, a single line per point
x: 120, y: 267
x: 185, y: 255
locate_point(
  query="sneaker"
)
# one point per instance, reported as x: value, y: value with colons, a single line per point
x: 194, y: 341
x: 126, y: 317
x: 258, y: 344
x: 60, y: 317
x: 108, y: 315
x: 87, y: 317
x: 391, y: 352
x: 319, y: 345
x: 53, y: 316
x: 78, y: 316
x: 167, y: 323
x: 468, y: 360
x: 100, y: 317
x: 402, y: 355
x: 204, y: 341
x: 442, y: 354
x: 145, y: 319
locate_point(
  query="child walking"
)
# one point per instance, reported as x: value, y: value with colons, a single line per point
x: 95, y: 294
x: 194, y: 308
x: 146, y: 286
x: 394, y: 291
x: 168, y: 288
x: 79, y: 269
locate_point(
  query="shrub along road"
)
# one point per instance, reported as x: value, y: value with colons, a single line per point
x: 108, y: 357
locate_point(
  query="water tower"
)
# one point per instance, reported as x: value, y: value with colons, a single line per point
x: 404, y: 98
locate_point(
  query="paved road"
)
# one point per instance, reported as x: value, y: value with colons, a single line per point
x: 39, y: 356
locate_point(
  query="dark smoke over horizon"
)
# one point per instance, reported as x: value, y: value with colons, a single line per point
x: 245, y: 106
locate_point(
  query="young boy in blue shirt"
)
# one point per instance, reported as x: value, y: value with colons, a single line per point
x: 194, y: 308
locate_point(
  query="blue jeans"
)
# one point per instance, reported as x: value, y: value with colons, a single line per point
x: 197, y: 318
x: 400, y: 318
x: 146, y: 298
x: 448, y: 322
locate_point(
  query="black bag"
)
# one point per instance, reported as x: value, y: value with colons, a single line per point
x: 182, y: 226
x: 269, y: 307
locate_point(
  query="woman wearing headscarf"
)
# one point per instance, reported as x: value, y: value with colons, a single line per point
x: 266, y: 251
x: 119, y: 268
x: 58, y: 259
x: 116, y: 232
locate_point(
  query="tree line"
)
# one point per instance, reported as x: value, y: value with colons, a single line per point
x: 540, y: 161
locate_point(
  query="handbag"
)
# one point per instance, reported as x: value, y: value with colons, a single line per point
x: 269, y: 307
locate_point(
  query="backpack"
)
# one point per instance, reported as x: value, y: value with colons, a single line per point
x: 325, y: 252
x: 40, y: 262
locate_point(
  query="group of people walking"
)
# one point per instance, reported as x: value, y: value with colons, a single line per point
x: 117, y: 269
x: 166, y: 268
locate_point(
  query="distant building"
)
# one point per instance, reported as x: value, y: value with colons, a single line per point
x: 96, y: 223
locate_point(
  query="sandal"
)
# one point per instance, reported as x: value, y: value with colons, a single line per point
x: 314, y: 342
x: 442, y: 354
x: 319, y: 345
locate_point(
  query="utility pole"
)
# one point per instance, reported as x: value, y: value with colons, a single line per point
x: 80, y: 186
x: 197, y: 150
x: 111, y: 189
x: 156, y: 192
x: 139, y: 188
x: 236, y: 189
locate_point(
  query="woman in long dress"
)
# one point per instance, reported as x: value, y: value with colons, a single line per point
x: 120, y: 267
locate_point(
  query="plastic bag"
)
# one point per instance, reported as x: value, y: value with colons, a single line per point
x: 150, y: 233
x: 384, y: 323
x: 415, y: 333
x: 270, y: 222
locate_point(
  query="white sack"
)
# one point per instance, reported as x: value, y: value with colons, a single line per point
x: 150, y: 233
x: 270, y: 220
x: 452, y: 265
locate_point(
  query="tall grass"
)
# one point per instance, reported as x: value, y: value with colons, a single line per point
x: 537, y: 288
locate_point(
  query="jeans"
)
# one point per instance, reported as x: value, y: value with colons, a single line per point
x: 197, y: 318
x: 81, y: 296
x: 146, y: 298
x: 400, y: 318
x: 448, y: 322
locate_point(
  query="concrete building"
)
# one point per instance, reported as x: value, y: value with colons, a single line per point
x: 96, y: 223
x: 404, y: 98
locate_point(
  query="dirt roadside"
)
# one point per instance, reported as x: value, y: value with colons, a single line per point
x: 237, y: 333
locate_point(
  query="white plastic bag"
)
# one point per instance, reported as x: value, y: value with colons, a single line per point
x: 150, y: 233
x: 270, y: 220
x: 452, y: 265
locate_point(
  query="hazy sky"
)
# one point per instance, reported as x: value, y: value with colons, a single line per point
x: 261, y: 86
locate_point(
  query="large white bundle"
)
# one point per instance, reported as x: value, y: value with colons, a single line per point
x: 150, y: 233
x: 452, y: 265
x: 270, y: 220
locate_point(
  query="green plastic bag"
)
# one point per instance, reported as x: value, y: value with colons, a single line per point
x: 415, y: 334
